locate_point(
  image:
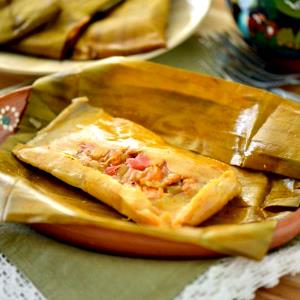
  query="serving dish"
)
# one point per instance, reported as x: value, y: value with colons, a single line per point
x: 119, y: 241
x: 185, y: 17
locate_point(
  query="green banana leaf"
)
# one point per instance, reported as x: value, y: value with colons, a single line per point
x: 133, y: 27
x: 56, y: 39
x: 20, y: 17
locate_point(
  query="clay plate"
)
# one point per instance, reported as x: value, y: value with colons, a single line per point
x: 119, y: 242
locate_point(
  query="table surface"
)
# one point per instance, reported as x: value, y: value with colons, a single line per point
x: 217, y: 20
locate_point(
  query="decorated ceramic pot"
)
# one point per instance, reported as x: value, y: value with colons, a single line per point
x: 271, y: 25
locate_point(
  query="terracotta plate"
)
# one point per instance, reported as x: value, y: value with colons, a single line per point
x: 113, y: 241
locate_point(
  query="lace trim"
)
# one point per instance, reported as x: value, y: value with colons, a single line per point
x: 239, y: 278
x: 14, y: 285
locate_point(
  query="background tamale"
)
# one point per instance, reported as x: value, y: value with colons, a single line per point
x: 133, y: 27
x: 20, y: 17
x: 55, y: 39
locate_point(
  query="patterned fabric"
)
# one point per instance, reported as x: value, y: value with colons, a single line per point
x: 9, y: 117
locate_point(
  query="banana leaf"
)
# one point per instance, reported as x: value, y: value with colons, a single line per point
x: 231, y: 122
x: 20, y: 17
x: 263, y: 197
x: 191, y: 111
x: 133, y: 27
x: 56, y: 39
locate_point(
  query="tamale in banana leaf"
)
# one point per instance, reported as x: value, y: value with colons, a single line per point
x: 231, y: 122
x: 130, y: 168
x: 55, y: 40
x: 129, y: 89
x: 20, y: 17
x: 192, y: 111
x: 133, y: 27
x: 30, y: 196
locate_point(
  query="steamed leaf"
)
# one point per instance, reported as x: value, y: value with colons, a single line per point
x: 20, y: 17
x: 55, y: 40
x: 135, y: 26
x: 227, y: 121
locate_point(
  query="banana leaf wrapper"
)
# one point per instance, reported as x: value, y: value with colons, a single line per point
x: 20, y: 17
x: 57, y: 38
x: 133, y: 27
x: 231, y: 122
x: 194, y: 112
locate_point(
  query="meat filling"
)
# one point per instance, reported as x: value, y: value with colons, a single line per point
x: 133, y: 167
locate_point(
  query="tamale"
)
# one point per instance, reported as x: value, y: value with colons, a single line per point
x: 55, y: 40
x: 231, y: 122
x: 30, y: 196
x: 20, y: 17
x: 130, y: 168
x: 135, y: 26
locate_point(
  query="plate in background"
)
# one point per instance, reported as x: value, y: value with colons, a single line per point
x: 185, y: 16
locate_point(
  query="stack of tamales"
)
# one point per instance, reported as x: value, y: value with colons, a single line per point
x: 83, y: 29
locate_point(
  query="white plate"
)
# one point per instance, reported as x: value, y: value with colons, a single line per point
x: 185, y: 16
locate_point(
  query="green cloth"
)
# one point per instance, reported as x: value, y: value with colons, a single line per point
x: 64, y: 272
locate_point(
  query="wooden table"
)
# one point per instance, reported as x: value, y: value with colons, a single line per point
x: 218, y: 19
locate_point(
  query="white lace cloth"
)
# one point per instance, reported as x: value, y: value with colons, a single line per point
x: 238, y: 278
x: 14, y: 285
x: 231, y: 279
